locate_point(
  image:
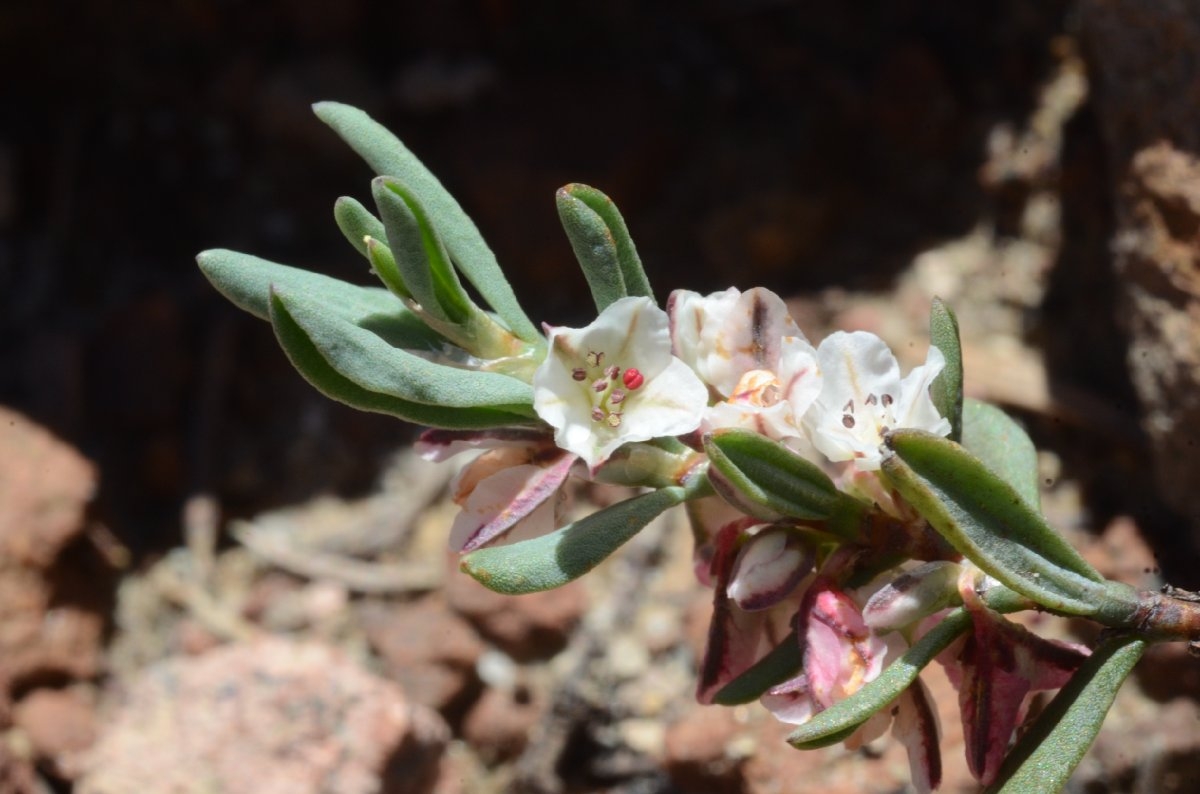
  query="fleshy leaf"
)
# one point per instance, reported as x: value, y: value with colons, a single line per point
x: 566, y: 554
x: 307, y: 359
x: 947, y: 388
x: 247, y: 280
x: 419, y: 254
x: 993, y: 437
x: 389, y: 157
x: 357, y: 351
x: 778, y: 666
x: 988, y: 522
x: 602, y: 245
x: 768, y: 480
x: 842, y: 718
x: 357, y: 223
x: 1043, y: 759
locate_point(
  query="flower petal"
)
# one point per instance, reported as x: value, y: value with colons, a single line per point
x: 581, y: 390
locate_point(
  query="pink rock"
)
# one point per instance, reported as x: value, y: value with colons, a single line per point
x: 59, y: 724
x: 264, y: 717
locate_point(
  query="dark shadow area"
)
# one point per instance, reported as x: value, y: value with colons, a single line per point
x: 748, y: 143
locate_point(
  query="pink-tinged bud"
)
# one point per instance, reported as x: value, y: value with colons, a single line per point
x: 633, y: 379
x: 768, y: 568
x: 913, y: 595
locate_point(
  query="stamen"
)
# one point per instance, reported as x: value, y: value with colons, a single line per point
x: 617, y: 397
x: 871, y: 400
x: 887, y: 400
x: 597, y: 415
x: 594, y: 358
x: 848, y: 408
x: 579, y: 373
x: 613, y: 372
x: 614, y: 419
x: 847, y: 421
x: 599, y: 385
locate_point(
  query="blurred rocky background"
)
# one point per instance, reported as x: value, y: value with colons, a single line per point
x: 1033, y: 162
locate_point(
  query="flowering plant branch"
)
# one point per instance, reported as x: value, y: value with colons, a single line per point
x: 855, y: 524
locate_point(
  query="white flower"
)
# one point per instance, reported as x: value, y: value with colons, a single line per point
x: 746, y: 346
x: 615, y: 381
x: 862, y: 396
x: 727, y: 334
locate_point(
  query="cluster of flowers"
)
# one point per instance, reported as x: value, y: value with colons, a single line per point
x: 737, y: 360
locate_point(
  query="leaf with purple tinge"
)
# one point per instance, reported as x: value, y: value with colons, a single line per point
x: 916, y: 727
x: 1000, y: 663
x: 737, y: 639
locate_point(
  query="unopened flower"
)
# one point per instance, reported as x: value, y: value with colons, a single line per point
x: 509, y: 492
x: 759, y: 566
x: 863, y: 396
x: 616, y: 381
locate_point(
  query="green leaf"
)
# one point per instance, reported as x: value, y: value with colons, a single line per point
x: 989, y: 523
x: 316, y: 370
x: 947, y: 387
x: 842, y: 718
x: 419, y: 255
x: 766, y: 479
x: 782, y: 663
x: 247, y: 280
x: 357, y: 223
x: 553, y: 560
x: 1044, y: 758
x: 389, y: 157
x: 993, y: 437
x: 602, y: 245
x: 356, y: 348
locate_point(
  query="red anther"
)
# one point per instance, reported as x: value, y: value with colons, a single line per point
x: 633, y: 379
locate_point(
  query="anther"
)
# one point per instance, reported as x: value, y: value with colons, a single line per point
x: 847, y: 421
x: 594, y: 358
x: 614, y: 420
x: 617, y: 397
x: 579, y: 373
x: 887, y: 400
x: 613, y: 372
x: 599, y: 384
x: 871, y: 400
x: 597, y: 415
x: 848, y: 408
